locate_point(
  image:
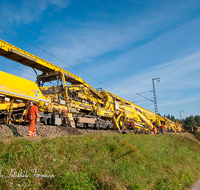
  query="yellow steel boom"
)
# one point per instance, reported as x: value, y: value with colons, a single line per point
x: 16, y: 54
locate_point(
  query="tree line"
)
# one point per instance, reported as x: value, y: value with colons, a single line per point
x: 191, y: 121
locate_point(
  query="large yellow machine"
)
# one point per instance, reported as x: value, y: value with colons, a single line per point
x: 75, y: 105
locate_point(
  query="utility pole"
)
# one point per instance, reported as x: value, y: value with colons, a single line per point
x: 181, y: 115
x: 154, y: 95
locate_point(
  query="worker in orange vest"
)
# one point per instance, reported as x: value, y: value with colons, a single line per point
x: 33, y: 116
x: 154, y: 130
x: 132, y: 125
x: 163, y: 128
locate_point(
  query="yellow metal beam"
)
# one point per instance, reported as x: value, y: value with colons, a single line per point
x: 16, y: 54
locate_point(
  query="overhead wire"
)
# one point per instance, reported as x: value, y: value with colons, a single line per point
x: 132, y: 48
x: 16, y: 68
x: 51, y: 45
x: 123, y: 38
x: 62, y: 61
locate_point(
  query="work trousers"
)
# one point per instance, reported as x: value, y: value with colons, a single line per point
x: 32, y: 131
x: 163, y: 131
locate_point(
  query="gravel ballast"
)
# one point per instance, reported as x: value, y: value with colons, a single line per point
x: 48, y: 130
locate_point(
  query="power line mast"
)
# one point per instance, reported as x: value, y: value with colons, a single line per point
x: 154, y: 95
x: 181, y: 115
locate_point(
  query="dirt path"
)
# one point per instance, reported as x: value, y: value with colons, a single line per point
x: 195, y: 186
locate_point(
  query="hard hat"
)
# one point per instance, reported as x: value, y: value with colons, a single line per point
x: 30, y: 102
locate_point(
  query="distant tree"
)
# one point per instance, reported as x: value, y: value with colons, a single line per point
x: 173, y: 118
x: 187, y: 122
x: 197, y: 119
x: 190, y: 121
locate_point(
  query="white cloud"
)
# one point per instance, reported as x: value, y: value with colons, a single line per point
x: 85, y: 43
x: 188, y: 100
x: 179, y: 74
x: 25, y: 11
x: 90, y: 40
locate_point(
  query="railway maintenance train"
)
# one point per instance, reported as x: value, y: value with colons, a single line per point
x: 77, y: 104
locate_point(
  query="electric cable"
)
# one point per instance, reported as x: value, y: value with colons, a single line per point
x: 131, y: 47
x: 62, y: 61
x: 16, y: 68
x: 53, y: 45
x: 56, y: 47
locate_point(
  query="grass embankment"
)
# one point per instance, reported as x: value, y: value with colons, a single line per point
x: 101, y: 162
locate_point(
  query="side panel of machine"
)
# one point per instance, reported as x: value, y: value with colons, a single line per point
x: 18, y: 87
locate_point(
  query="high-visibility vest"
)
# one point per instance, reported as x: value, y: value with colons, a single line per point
x: 32, y: 113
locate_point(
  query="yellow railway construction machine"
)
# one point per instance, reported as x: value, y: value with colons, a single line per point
x: 75, y: 105
x: 173, y: 126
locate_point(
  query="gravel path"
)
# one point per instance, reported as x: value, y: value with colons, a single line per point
x: 50, y: 131
x: 195, y: 186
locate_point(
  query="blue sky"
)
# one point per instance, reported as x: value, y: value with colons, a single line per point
x: 164, y: 34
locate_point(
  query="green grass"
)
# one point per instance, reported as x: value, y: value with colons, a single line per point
x: 102, y: 162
